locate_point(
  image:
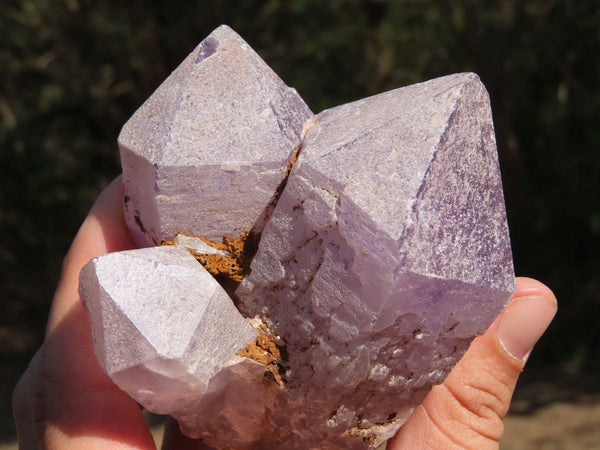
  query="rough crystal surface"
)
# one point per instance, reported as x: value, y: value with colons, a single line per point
x: 381, y: 256
x: 206, y: 152
x: 168, y: 334
x: 385, y: 255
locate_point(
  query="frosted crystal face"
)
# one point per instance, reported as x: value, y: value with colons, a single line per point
x: 381, y: 256
x: 386, y: 254
x: 162, y: 326
x: 206, y: 152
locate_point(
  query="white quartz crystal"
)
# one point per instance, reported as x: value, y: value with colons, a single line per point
x: 197, y: 245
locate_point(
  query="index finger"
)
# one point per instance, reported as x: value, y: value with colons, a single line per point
x: 73, y: 403
x: 103, y: 231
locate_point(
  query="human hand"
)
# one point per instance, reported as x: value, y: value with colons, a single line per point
x: 466, y: 411
x: 65, y: 400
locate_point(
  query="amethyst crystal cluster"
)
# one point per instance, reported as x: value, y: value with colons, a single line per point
x: 304, y: 280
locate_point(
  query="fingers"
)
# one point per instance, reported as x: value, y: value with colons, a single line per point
x: 103, y: 231
x: 64, y: 399
x: 174, y: 439
x: 466, y: 411
x: 526, y: 318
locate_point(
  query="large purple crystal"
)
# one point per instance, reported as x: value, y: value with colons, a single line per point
x: 381, y: 256
x: 386, y: 254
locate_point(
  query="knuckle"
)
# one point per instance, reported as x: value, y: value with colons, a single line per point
x: 481, y: 409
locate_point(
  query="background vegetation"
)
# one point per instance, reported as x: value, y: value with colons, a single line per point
x: 73, y: 71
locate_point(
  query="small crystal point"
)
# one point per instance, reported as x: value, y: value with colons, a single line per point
x: 205, y: 154
x: 166, y: 332
x: 197, y: 245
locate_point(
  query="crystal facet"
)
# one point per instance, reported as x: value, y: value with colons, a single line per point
x: 206, y: 152
x: 382, y: 253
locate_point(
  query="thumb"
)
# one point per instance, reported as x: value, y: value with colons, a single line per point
x: 466, y: 411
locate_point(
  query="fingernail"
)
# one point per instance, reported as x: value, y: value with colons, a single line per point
x: 523, y: 323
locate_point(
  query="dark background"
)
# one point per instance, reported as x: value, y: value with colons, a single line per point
x: 73, y: 71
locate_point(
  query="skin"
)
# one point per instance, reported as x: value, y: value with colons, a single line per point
x: 64, y: 400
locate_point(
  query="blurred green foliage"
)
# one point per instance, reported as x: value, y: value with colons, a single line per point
x: 73, y: 71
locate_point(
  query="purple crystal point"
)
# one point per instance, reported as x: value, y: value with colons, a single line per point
x: 204, y: 155
x: 386, y: 254
x: 167, y: 333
